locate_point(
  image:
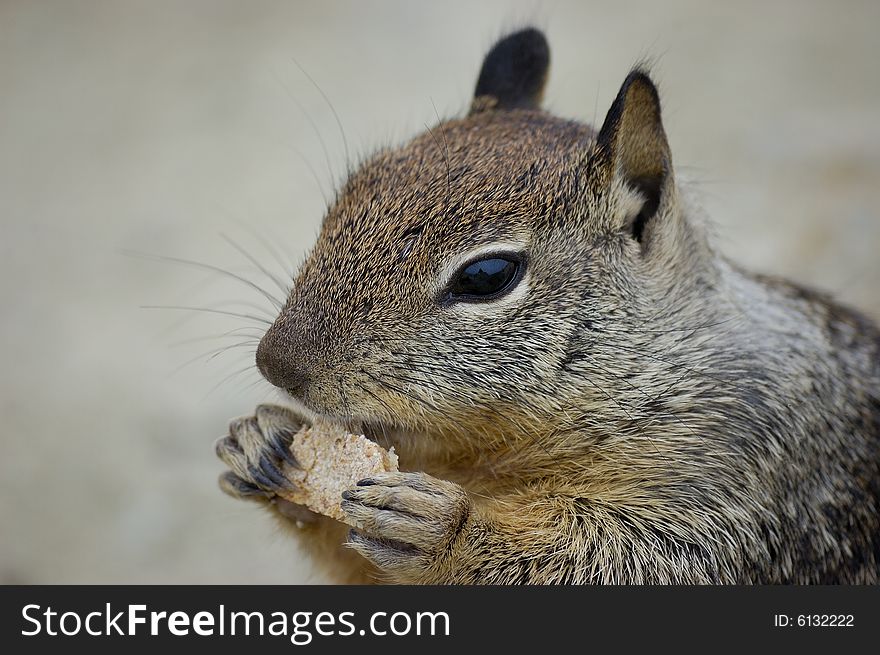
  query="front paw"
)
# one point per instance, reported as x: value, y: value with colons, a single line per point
x: 406, y: 521
x: 255, y: 451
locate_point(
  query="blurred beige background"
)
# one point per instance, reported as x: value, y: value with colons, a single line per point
x: 159, y: 125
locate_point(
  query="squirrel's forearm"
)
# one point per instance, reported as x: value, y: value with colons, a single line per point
x: 591, y: 546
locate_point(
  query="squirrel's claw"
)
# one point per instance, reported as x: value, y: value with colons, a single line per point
x: 255, y: 450
x: 234, y: 486
x: 280, y: 445
x: 405, y: 520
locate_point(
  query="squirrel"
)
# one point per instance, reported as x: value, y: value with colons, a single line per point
x: 580, y: 387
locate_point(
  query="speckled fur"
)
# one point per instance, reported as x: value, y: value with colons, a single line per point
x: 642, y: 412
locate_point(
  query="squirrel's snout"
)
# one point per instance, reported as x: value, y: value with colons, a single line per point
x: 281, y: 367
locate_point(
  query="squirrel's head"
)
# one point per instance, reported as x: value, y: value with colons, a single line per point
x: 453, y: 275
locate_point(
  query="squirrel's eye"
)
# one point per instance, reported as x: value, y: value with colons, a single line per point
x: 486, y: 279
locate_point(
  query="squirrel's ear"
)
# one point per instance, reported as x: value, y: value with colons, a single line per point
x: 513, y: 73
x: 632, y: 142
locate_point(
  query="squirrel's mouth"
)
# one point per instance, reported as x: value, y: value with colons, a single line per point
x: 379, y: 431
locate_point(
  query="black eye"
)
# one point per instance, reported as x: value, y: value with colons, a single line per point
x: 486, y: 279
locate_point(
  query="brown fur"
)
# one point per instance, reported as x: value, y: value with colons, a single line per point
x: 642, y: 411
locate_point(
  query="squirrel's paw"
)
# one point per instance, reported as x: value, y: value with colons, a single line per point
x: 254, y: 451
x: 405, y: 520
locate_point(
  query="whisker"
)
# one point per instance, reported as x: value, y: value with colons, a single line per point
x: 632, y: 419
x: 385, y: 384
x: 249, y: 317
x: 648, y: 397
x: 246, y: 304
x: 599, y: 328
x: 690, y: 369
x: 234, y: 374
x: 488, y: 410
x: 210, y: 354
x: 311, y: 122
x: 253, y: 384
x: 424, y: 383
x: 305, y: 160
x: 332, y: 110
x: 377, y: 398
x: 448, y: 162
x: 448, y: 170
x: 236, y: 332
x: 207, y: 267
x: 265, y: 240
x: 284, y: 288
x: 241, y: 344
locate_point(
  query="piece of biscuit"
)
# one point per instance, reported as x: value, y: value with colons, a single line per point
x: 331, y: 461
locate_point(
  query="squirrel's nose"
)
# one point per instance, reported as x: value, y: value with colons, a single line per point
x: 279, y: 367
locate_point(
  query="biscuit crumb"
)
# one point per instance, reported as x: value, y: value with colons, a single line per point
x: 331, y: 461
